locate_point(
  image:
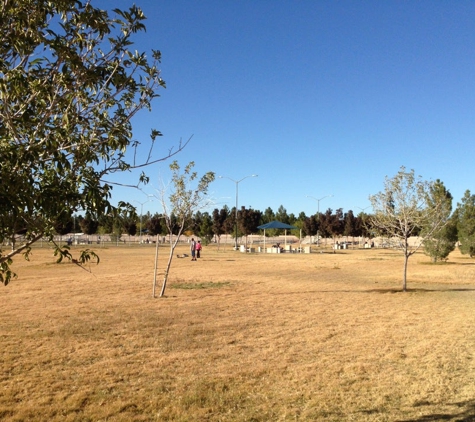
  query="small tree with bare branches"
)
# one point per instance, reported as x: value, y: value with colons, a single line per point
x: 189, y: 195
x: 404, y: 209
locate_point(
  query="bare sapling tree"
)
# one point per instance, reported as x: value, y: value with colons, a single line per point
x: 404, y: 209
x: 188, y: 195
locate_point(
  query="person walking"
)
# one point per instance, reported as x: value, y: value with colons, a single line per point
x: 193, y: 249
x: 198, y: 249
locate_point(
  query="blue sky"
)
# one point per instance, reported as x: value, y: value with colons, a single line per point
x: 316, y: 97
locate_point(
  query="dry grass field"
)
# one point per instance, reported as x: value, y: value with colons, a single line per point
x: 239, y: 337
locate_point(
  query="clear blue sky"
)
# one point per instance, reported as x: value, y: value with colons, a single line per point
x: 316, y: 97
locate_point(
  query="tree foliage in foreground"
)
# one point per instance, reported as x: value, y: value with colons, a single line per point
x: 70, y: 84
x: 405, y: 207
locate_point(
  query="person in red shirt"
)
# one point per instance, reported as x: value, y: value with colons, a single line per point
x: 198, y: 249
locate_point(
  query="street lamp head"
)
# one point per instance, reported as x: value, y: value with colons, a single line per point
x: 142, y: 203
x: 236, y: 181
x: 319, y: 199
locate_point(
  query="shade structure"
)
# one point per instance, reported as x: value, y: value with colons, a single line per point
x: 275, y: 225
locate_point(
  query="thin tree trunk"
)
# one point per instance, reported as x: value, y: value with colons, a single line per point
x: 404, y: 277
x: 155, y: 270
x: 165, y: 275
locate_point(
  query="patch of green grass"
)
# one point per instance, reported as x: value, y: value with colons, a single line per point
x: 200, y: 286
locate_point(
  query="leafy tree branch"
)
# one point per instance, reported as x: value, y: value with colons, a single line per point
x: 70, y: 85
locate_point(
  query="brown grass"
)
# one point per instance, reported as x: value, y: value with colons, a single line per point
x: 239, y: 337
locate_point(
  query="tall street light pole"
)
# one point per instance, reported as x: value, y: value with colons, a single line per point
x: 235, y: 222
x: 318, y: 212
x: 141, y: 213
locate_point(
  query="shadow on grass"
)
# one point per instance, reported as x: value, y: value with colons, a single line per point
x: 465, y: 414
x: 393, y: 290
x: 447, y: 263
x: 381, y: 291
x: 441, y: 263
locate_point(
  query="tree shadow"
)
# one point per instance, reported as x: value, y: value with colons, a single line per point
x: 438, y: 263
x: 380, y: 291
x: 465, y: 414
x: 420, y: 290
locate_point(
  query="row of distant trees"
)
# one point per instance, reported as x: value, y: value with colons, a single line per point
x: 460, y: 225
x: 221, y: 222
x: 87, y: 224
